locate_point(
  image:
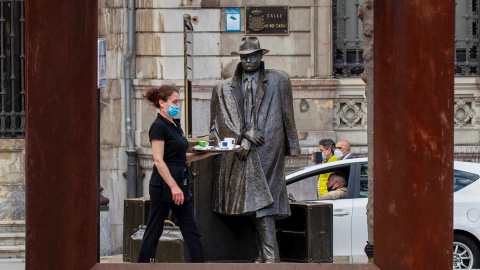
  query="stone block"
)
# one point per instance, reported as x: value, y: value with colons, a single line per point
x: 242, y: 3
x: 168, y: 4
x: 323, y: 31
x: 115, y: 3
x: 300, y: 19
x: 158, y: 44
x: 206, y: 68
x: 114, y: 65
x: 466, y: 137
x: 109, y: 158
x: 309, y: 139
x: 147, y: 114
x: 101, y: 3
x: 110, y: 123
x: 172, y: 67
x: 12, y: 202
x: 12, y: 167
x: 116, y: 42
x: 113, y: 90
x: 105, y: 234
x: 148, y: 67
x: 171, y: 20
x: 115, y: 189
x: 313, y: 114
x: 116, y: 20
x: 295, y: 66
x: 297, y: 43
x: 228, y: 65
x: 355, y: 137
x: 117, y: 237
x: 201, y: 117
x: 206, y: 44
x: 102, y: 21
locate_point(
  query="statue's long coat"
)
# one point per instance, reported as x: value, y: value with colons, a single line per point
x: 256, y: 184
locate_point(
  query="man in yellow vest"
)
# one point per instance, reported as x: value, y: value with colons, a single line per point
x: 327, y: 147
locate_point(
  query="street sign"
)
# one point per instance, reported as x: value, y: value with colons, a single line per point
x: 102, y: 63
x: 233, y: 20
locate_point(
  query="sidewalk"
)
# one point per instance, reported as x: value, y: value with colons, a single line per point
x: 19, y: 264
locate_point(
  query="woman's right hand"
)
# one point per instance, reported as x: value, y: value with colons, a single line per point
x: 177, y: 195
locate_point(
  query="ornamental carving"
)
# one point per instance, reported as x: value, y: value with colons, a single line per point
x: 350, y: 113
x: 463, y: 113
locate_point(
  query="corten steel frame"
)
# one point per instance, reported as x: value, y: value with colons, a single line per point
x: 413, y: 140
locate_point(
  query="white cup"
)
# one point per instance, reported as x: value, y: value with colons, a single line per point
x: 230, y: 142
x: 223, y: 144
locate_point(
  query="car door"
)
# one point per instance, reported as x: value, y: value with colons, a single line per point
x: 305, y: 189
x: 359, y: 215
x: 342, y: 229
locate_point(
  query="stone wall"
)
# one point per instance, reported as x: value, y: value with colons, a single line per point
x: 113, y: 159
x: 12, y: 179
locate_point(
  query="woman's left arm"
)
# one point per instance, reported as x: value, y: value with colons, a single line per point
x: 191, y: 157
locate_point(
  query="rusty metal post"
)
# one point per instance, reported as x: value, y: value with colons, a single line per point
x: 61, y: 135
x: 413, y: 133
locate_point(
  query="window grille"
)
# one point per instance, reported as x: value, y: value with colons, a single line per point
x: 347, y: 38
x: 466, y: 38
x: 12, y: 68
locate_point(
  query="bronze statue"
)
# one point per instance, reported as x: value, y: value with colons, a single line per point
x: 255, y: 107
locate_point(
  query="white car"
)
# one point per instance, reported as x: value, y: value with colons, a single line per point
x: 350, y: 219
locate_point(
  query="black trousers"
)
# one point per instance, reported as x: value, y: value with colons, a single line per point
x: 185, y: 220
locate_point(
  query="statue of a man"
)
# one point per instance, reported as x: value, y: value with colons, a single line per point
x: 255, y: 107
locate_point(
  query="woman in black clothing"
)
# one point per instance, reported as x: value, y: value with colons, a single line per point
x: 169, y: 185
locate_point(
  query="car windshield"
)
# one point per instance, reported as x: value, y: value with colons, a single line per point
x: 462, y: 179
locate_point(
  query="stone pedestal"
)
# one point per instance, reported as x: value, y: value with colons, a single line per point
x: 105, y: 231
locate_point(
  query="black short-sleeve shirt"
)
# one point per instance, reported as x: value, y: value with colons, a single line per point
x: 174, y: 154
x: 176, y: 144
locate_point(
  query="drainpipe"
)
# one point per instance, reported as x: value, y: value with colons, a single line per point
x: 131, y: 152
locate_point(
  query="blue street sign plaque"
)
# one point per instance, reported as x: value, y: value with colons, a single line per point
x: 233, y: 19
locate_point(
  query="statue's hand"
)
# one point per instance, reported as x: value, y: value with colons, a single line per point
x: 254, y: 137
x: 242, y: 155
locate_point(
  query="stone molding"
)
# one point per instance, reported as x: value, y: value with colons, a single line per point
x: 12, y: 145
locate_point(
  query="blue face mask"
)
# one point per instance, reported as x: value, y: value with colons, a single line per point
x: 323, y: 157
x: 172, y: 110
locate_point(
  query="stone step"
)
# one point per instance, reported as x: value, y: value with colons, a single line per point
x: 9, y: 239
x: 12, y: 226
x: 14, y: 251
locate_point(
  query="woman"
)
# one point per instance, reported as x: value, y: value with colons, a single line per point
x: 169, y: 187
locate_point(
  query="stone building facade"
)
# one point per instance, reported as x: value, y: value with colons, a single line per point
x: 326, y: 105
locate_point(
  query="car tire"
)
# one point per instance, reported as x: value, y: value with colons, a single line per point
x: 466, y: 254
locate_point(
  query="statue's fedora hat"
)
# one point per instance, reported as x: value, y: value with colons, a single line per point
x: 249, y: 45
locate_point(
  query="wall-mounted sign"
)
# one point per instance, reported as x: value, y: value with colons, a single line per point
x: 233, y: 20
x: 266, y: 20
x: 102, y: 62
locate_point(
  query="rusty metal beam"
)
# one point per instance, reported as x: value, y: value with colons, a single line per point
x: 61, y: 134
x: 413, y: 133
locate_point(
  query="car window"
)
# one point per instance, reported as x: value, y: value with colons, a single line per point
x: 305, y: 186
x: 363, y: 181
x: 462, y: 179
